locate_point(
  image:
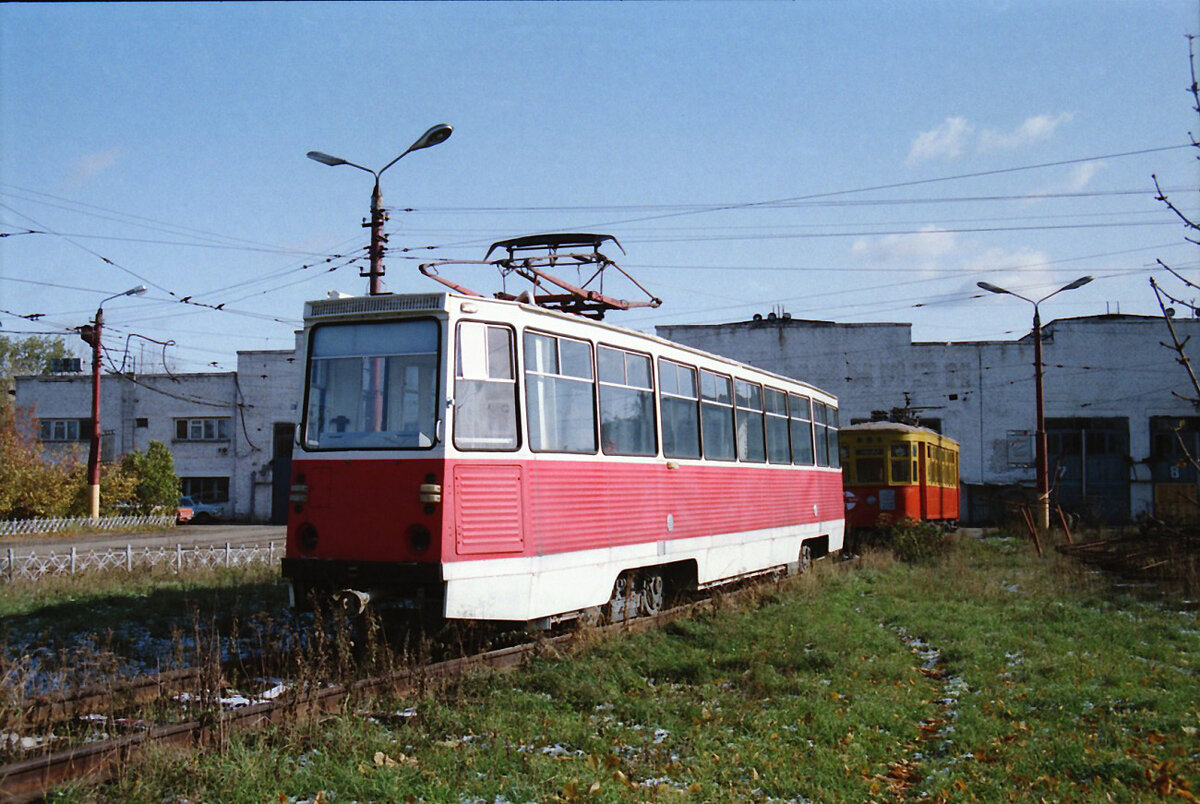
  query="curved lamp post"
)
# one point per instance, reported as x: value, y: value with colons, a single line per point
x: 434, y: 136
x: 91, y: 335
x: 1043, y: 475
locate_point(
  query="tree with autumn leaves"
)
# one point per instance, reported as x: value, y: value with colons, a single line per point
x: 34, y: 486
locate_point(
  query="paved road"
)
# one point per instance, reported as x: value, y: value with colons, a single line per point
x: 187, y: 535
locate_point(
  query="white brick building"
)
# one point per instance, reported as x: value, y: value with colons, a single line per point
x: 1110, y: 400
x: 230, y: 433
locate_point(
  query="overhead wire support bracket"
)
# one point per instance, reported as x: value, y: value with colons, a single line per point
x: 536, y: 268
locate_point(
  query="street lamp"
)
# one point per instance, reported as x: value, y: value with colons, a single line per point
x: 91, y: 335
x: 1043, y: 475
x: 434, y: 136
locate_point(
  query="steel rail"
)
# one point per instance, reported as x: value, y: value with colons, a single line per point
x: 33, y: 779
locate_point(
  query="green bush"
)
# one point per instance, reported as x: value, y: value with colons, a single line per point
x: 157, y: 485
x: 912, y: 541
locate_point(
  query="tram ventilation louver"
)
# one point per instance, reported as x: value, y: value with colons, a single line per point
x: 375, y: 304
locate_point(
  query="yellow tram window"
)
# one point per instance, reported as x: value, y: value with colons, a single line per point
x: 869, y: 470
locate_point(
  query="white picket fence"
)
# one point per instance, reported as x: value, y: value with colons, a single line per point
x: 35, y: 566
x: 24, y: 527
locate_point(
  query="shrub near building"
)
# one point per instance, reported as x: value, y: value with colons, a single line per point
x: 157, y: 485
x: 33, y: 487
x: 30, y: 486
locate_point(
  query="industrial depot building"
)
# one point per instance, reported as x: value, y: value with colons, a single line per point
x: 1119, y: 421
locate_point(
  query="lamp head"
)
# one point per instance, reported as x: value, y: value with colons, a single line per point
x: 990, y: 288
x: 326, y: 159
x: 436, y: 135
x: 138, y: 291
x: 1078, y: 283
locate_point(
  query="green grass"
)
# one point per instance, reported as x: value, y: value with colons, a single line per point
x: 983, y: 674
x: 96, y: 627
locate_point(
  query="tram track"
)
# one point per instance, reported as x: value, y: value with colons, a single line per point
x: 33, y: 778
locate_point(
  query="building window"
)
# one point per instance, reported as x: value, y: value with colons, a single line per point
x: 62, y: 429
x: 208, y: 429
x: 205, y: 489
x: 141, y: 423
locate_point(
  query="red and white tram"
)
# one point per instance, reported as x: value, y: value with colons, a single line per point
x: 495, y: 460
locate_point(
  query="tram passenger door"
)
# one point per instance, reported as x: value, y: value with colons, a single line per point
x: 923, y: 490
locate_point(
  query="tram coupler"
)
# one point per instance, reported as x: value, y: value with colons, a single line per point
x: 353, y: 601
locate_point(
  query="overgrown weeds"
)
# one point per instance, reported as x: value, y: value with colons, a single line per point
x: 910, y: 540
x: 982, y: 673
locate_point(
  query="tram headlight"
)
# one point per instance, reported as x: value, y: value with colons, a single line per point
x: 420, y: 538
x: 307, y: 537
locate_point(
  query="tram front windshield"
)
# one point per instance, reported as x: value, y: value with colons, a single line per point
x: 372, y: 386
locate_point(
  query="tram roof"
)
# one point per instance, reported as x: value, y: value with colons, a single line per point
x: 429, y: 302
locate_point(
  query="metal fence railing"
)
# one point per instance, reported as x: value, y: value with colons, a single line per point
x: 24, y: 527
x: 34, y: 565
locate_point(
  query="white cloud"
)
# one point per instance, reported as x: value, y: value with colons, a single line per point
x: 946, y: 142
x: 1034, y: 129
x: 1017, y: 271
x: 1079, y: 178
x: 928, y: 244
x: 91, y: 164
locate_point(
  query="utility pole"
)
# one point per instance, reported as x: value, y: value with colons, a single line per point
x: 91, y: 333
x: 1043, y: 460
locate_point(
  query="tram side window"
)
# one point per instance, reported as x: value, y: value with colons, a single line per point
x: 485, y: 388
x: 716, y: 416
x: 802, y: 429
x: 559, y: 397
x: 680, y: 404
x: 820, y: 437
x: 831, y: 438
x: 777, y: 427
x: 869, y: 465
x: 750, y: 446
x: 900, y: 463
x: 626, y: 402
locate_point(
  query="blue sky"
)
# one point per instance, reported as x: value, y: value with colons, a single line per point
x: 845, y: 161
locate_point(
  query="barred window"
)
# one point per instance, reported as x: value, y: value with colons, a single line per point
x: 207, y: 429
x: 62, y: 429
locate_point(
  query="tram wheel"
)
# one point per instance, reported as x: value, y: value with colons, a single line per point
x: 806, y: 558
x: 623, y: 605
x: 653, y: 592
